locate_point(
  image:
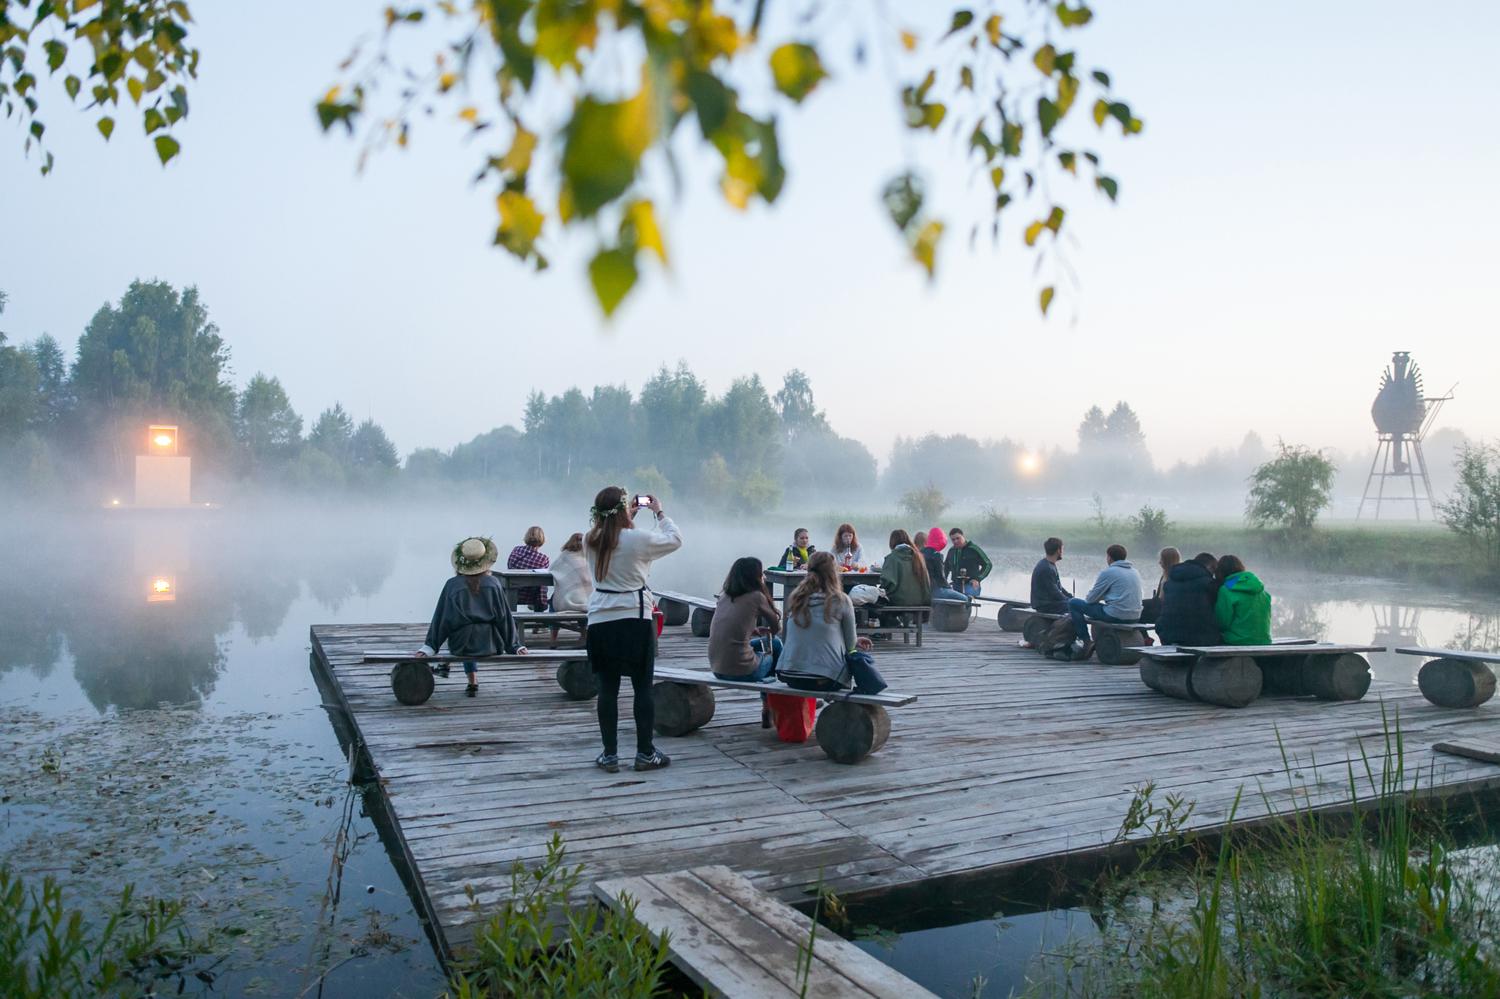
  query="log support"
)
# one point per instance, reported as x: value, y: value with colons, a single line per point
x: 1456, y: 683
x: 850, y: 732
x: 412, y: 682
x: 1013, y: 617
x: 700, y: 621
x: 576, y: 678
x: 950, y: 617
x: 674, y: 612
x: 682, y: 707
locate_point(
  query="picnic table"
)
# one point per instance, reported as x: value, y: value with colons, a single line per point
x: 1454, y: 678
x: 515, y: 580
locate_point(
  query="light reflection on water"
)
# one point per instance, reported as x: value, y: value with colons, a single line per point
x: 211, y: 612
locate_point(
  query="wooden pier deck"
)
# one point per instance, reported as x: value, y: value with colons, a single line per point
x: 1006, y: 758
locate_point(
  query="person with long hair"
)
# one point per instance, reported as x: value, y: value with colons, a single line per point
x: 1167, y: 559
x: 904, y: 575
x: 572, y: 583
x: 621, y: 638
x: 742, y: 642
x: 798, y: 552
x: 1187, y: 603
x: 823, y: 651
x: 1242, y: 607
x: 472, y: 614
x: 846, y: 550
x: 528, y: 555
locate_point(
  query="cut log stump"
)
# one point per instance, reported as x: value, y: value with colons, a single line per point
x: 1111, y: 645
x: 674, y: 612
x: 576, y: 678
x: 1013, y: 617
x: 1343, y: 677
x: 700, y: 622
x: 950, y: 617
x: 682, y: 707
x: 412, y: 682
x: 1231, y: 682
x: 850, y: 732
x: 1454, y: 683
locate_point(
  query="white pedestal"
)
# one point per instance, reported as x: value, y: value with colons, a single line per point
x: 163, y: 481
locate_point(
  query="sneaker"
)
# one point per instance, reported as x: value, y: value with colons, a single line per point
x: 608, y: 762
x: 655, y: 761
x: 1083, y: 654
x: 471, y: 690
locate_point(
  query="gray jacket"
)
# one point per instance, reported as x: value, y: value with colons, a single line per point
x: 1118, y: 588
x: 817, y: 651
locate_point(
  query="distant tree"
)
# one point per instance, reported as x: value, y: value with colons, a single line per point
x: 54, y: 393
x: 744, y: 427
x: 1122, y: 428
x: 268, y: 429
x: 1473, y: 509
x: 1093, y: 430
x: 826, y: 466
x: 495, y: 454
x: 19, y: 380
x: 1150, y: 526
x: 333, y: 433
x: 426, y: 463
x: 926, y: 503
x: 649, y: 480
x: 1291, y: 489
x: 714, y: 479
x: 671, y: 407
x: 371, y: 451
x: 794, y: 400
x: 755, y: 493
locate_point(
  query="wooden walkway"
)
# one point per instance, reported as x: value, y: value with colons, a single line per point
x: 1005, y: 758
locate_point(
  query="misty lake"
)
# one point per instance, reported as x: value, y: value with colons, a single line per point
x: 159, y: 723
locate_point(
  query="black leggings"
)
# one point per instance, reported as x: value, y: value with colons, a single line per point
x: 609, y: 711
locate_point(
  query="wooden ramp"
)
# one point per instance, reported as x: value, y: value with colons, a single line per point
x: 1006, y: 758
x: 736, y: 941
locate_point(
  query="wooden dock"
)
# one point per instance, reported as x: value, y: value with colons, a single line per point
x: 1006, y: 758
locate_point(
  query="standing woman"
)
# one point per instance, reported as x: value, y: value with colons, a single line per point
x: 472, y: 614
x: 846, y: 550
x: 621, y: 638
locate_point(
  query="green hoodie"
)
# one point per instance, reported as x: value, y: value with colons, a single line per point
x: 1243, y: 610
x: 900, y: 582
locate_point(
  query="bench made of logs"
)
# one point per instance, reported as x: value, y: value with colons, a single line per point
x: 849, y: 728
x: 916, y: 617
x: 1454, y: 678
x: 678, y: 609
x: 949, y: 614
x: 413, y: 678
x: 1233, y: 676
x: 1115, y: 642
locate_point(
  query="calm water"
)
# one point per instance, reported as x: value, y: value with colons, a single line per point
x: 159, y: 723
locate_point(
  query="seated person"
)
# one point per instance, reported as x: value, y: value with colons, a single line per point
x: 966, y: 564
x: 1151, y: 606
x: 1243, y: 607
x: 735, y: 652
x: 1047, y: 593
x: 472, y: 614
x: 1187, y: 604
x: 936, y: 541
x: 572, y: 583
x: 904, y: 578
x: 846, y: 550
x: 1116, y: 596
x: 528, y: 555
x: 798, y: 552
x: 821, y: 651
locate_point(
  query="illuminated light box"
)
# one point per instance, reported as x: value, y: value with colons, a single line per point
x: 161, y: 439
x: 163, y: 478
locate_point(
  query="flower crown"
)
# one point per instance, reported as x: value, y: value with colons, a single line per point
x: 462, y: 562
x: 597, y: 515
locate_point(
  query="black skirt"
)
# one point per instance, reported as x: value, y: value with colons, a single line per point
x: 625, y: 648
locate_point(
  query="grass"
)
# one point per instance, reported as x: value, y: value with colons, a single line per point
x: 1308, y: 904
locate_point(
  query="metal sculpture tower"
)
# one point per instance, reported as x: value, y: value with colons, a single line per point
x: 1402, y: 418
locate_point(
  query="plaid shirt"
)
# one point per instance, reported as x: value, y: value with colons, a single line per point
x: 525, y: 557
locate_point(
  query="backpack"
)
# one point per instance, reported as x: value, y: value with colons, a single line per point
x: 1059, y: 636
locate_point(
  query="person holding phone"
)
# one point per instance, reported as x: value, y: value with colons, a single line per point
x: 621, y: 637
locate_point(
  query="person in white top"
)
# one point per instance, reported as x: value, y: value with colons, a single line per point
x: 572, y: 580
x: 621, y: 638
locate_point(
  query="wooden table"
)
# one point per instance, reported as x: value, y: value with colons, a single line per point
x: 514, y: 580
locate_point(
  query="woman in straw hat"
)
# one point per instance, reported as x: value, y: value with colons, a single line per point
x: 472, y: 614
x: 621, y: 638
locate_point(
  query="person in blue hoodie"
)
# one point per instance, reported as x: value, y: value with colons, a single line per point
x: 1116, y: 596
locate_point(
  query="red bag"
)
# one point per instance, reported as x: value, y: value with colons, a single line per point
x: 795, y: 716
x: 659, y: 618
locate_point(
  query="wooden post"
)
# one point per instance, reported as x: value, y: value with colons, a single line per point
x: 1456, y: 683
x: 576, y: 678
x: 701, y: 619
x: 412, y: 682
x: 1013, y: 617
x: 682, y: 707
x: 850, y: 732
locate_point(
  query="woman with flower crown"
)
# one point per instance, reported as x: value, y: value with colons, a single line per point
x: 472, y: 614
x: 621, y: 637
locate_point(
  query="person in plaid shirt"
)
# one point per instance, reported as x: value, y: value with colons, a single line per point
x: 528, y: 555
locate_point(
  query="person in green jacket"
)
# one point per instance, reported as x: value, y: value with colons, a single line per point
x: 1243, y: 607
x: 903, y: 574
x: 966, y: 564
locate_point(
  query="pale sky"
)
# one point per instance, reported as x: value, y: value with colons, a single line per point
x: 1314, y: 188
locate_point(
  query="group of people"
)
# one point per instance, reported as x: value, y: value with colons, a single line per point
x: 1201, y: 601
x: 916, y: 571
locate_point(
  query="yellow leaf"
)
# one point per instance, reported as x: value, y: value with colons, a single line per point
x: 997, y: 177
x: 642, y: 217
x: 1045, y: 59
x: 1067, y: 90
x: 520, y: 222
x: 518, y: 159
x: 469, y: 114
x: 992, y: 29
x: 136, y: 88
x: 1101, y: 111
x: 924, y: 246
x: 1046, y: 298
x: 796, y: 70
x: 908, y: 41
x: 1033, y: 231
x: 446, y: 81
x: 332, y: 95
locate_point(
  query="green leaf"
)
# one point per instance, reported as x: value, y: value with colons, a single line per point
x: 1101, y: 77
x: 712, y: 100
x: 56, y: 53
x: 520, y: 223
x: 961, y: 20
x: 1073, y: 17
x: 605, y: 141
x: 1046, y: 298
x: 1047, y: 115
x: 1055, y: 219
x: 72, y: 85
x: 1010, y: 139
x: 1109, y: 186
x: 1045, y: 59
x: 796, y: 69
x: 106, y: 127
x: 613, y: 274
x: 153, y: 120
x: 166, y: 148
x: 1068, y: 161
x: 1101, y: 111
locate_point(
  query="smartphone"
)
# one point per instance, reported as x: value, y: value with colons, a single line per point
x: 643, y: 500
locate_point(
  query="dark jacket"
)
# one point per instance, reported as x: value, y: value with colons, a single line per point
x: 1187, y: 607
x: 970, y: 559
x: 1047, y: 593
x: 473, y: 624
x: 792, y: 555
x: 934, y: 566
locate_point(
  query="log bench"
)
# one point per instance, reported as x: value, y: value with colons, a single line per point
x: 949, y: 614
x: 850, y: 727
x: 1115, y: 642
x: 1454, y: 678
x: 1012, y: 614
x: 413, y: 678
x: 678, y: 609
x: 1233, y: 676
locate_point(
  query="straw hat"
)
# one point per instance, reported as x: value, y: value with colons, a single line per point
x: 471, y: 556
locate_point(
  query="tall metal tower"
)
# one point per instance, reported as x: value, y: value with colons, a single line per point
x: 1402, y: 418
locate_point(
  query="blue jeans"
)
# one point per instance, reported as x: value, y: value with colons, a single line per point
x: 971, y: 587
x: 766, y: 666
x: 1083, y: 612
x: 943, y: 593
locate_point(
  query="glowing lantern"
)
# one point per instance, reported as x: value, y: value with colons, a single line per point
x: 161, y: 439
x: 161, y: 590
